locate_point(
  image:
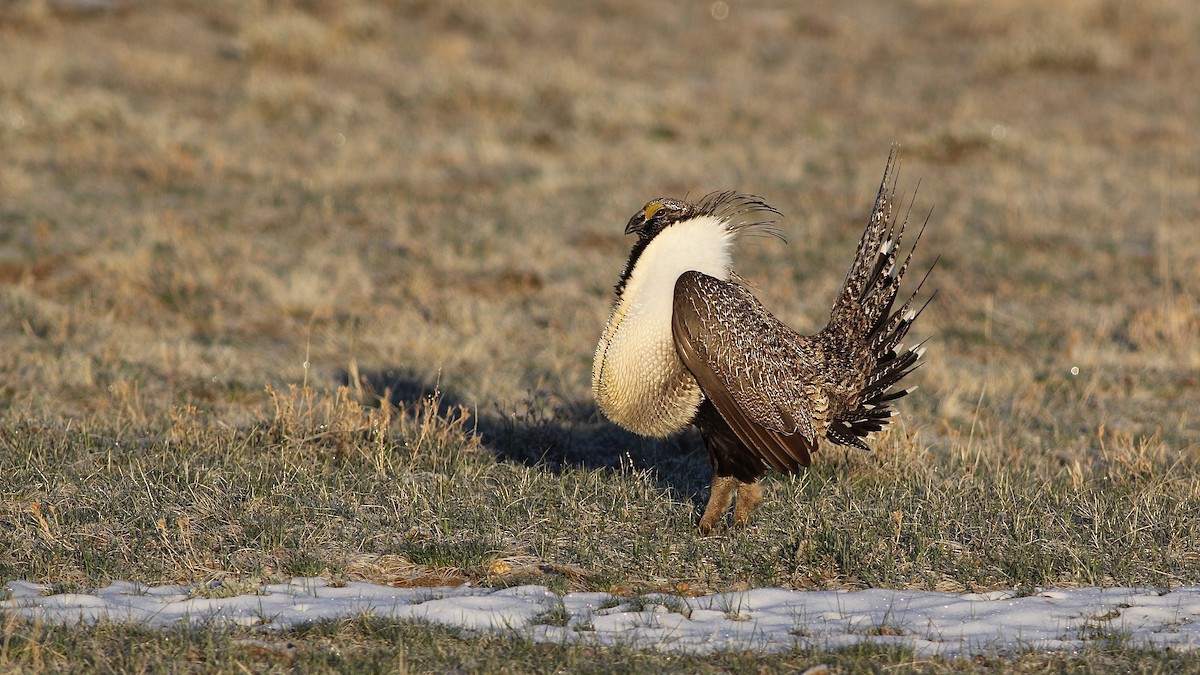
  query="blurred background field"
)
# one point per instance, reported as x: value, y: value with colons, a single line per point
x: 214, y: 215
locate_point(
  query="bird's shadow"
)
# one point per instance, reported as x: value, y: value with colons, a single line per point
x: 552, y: 433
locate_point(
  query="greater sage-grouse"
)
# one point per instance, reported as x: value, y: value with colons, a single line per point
x: 688, y: 344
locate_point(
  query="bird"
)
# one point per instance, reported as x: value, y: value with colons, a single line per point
x: 688, y: 344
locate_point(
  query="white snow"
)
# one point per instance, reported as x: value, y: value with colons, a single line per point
x: 932, y: 624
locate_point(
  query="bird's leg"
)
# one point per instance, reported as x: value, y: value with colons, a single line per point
x: 749, y: 496
x: 718, y: 502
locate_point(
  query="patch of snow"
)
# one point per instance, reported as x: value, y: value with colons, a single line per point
x: 930, y: 623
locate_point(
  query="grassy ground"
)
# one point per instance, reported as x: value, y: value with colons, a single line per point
x: 313, y: 288
x: 365, y: 645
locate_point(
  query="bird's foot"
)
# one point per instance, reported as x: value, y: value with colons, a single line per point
x: 749, y: 496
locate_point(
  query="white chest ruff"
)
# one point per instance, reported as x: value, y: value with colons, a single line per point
x: 637, y: 377
x: 639, y: 381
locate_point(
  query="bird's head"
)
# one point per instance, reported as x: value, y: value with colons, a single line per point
x: 657, y: 214
x: 709, y: 226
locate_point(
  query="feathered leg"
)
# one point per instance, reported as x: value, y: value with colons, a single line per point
x: 749, y: 496
x: 719, y: 500
x: 734, y: 468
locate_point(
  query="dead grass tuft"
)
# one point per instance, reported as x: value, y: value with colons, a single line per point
x: 957, y: 143
x: 288, y: 40
x: 27, y: 16
x: 1171, y: 325
x: 1064, y: 52
x: 292, y: 99
x: 338, y: 424
x: 400, y: 572
x: 363, y: 23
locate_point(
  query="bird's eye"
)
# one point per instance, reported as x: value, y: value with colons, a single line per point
x: 651, y: 209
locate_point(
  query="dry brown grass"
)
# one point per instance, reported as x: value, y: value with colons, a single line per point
x: 215, y: 214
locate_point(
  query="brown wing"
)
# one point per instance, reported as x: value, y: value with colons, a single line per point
x: 729, y: 455
x: 751, y: 366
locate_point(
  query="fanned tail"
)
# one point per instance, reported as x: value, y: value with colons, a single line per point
x: 874, y: 247
x: 863, y: 316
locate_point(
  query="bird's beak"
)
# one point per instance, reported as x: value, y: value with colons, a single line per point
x: 635, y: 224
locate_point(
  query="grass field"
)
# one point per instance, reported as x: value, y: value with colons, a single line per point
x: 312, y: 287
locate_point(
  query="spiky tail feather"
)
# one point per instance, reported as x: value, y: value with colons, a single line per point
x: 863, y: 315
